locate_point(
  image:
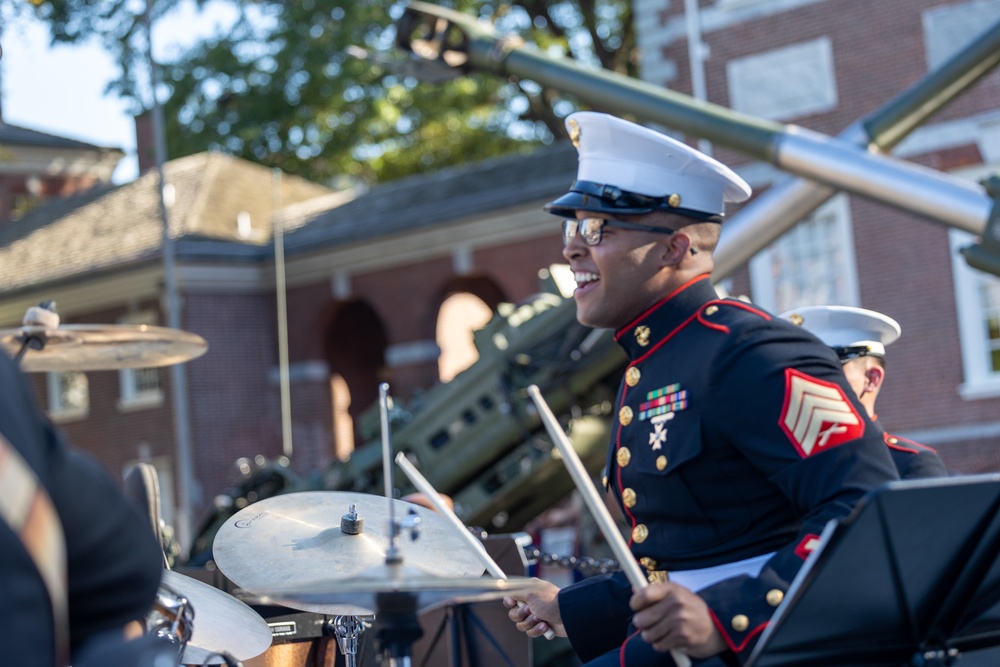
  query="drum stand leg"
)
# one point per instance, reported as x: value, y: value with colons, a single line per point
x: 348, y: 629
x: 398, y: 626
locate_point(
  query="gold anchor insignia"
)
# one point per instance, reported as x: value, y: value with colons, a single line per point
x: 574, y: 132
x: 642, y: 334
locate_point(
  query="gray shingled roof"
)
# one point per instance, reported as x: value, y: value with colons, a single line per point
x: 14, y: 135
x: 445, y: 196
x: 111, y: 227
x: 114, y: 226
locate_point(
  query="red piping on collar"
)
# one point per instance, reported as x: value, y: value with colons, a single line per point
x: 630, y: 325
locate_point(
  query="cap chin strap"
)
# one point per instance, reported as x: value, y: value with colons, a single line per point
x: 618, y: 198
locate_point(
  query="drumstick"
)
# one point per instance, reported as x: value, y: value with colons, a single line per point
x: 424, y: 487
x: 601, y: 514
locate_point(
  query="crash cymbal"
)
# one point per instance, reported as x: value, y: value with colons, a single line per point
x: 365, y: 589
x: 221, y: 623
x: 100, y: 347
x: 282, y: 542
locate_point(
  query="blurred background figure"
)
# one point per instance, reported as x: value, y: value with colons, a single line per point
x: 859, y: 338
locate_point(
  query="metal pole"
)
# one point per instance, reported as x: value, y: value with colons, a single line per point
x: 178, y: 378
x: 279, y: 280
x: 696, y: 56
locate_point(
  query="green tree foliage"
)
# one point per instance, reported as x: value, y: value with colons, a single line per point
x: 285, y: 87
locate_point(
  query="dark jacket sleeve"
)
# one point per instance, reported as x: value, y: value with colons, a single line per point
x: 596, y: 613
x: 792, y: 414
x: 114, y: 562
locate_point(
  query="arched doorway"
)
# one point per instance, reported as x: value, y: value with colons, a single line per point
x: 355, y: 352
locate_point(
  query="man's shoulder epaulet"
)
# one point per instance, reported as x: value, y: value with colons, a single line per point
x: 724, y: 314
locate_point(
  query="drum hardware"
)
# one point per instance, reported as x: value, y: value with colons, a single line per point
x: 226, y: 630
x: 171, y: 618
x: 42, y: 344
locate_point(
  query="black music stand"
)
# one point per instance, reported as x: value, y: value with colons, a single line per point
x: 910, y: 578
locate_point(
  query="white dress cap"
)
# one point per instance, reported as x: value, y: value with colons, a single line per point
x: 846, y: 326
x: 636, y: 159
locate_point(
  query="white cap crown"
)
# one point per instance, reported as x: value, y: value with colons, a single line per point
x: 847, y: 326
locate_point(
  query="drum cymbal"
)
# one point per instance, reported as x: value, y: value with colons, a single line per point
x: 364, y: 589
x: 100, y: 347
x: 292, y: 539
x: 221, y: 624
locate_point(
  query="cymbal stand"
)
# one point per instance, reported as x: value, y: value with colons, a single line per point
x: 396, y: 612
x: 348, y: 631
x: 347, y: 628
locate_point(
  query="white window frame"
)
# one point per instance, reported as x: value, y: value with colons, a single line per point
x: 762, y: 284
x: 130, y: 397
x: 980, y: 381
x: 58, y: 411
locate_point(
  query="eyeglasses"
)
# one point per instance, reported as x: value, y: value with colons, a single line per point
x: 850, y: 353
x: 591, y: 230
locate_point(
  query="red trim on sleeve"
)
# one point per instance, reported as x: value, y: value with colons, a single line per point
x: 621, y: 650
x: 733, y: 646
x: 806, y: 546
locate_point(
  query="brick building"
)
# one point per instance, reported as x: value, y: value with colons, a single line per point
x: 370, y: 277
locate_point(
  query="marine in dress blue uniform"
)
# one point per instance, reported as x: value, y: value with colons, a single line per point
x: 737, y: 437
x: 859, y: 337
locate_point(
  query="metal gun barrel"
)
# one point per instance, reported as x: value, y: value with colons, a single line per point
x: 465, y: 44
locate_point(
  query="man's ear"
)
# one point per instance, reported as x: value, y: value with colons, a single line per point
x: 874, y: 377
x: 675, y: 248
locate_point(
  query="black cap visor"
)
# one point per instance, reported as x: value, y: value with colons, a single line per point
x: 609, y: 199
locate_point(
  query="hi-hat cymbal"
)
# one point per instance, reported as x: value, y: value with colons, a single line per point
x: 367, y: 588
x: 221, y: 623
x: 284, y: 541
x: 101, y: 347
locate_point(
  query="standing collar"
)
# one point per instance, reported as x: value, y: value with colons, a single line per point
x: 646, y: 331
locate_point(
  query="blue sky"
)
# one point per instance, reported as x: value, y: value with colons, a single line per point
x: 61, y: 89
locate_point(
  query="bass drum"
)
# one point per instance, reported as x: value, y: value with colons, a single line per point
x: 307, y: 639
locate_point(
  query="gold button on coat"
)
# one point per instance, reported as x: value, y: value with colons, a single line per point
x: 661, y: 462
x: 640, y: 533
x: 740, y: 623
x: 774, y: 597
x: 623, y: 457
x: 892, y: 441
x: 632, y: 376
x: 711, y: 310
x: 628, y: 498
x: 625, y: 416
x: 647, y: 563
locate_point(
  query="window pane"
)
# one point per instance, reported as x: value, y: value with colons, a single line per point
x: 74, y: 392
